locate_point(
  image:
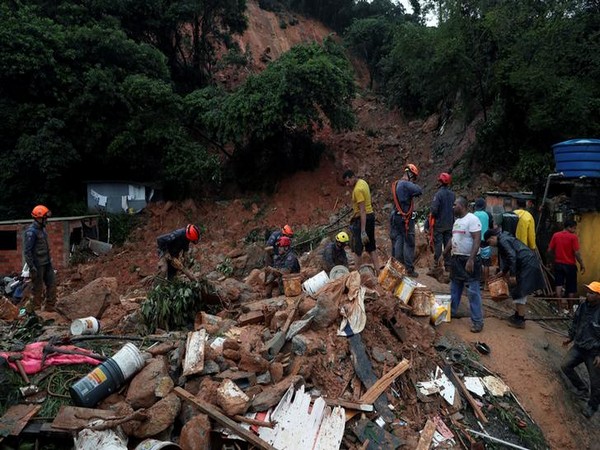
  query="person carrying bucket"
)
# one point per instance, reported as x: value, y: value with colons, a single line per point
x: 172, y: 246
x: 285, y: 262
x: 522, y: 268
x: 334, y: 253
x: 402, y: 219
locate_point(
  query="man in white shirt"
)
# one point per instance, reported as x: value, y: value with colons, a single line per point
x: 465, y: 263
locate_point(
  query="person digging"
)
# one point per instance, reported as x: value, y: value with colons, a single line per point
x: 285, y: 262
x: 170, y: 248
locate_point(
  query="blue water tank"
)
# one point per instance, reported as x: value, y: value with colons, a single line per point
x: 578, y: 158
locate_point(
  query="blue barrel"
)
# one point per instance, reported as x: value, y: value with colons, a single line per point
x: 578, y: 158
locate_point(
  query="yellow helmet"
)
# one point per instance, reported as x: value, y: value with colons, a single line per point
x: 342, y: 237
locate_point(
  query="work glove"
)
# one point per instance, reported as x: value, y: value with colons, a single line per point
x: 364, y: 238
x: 175, y: 262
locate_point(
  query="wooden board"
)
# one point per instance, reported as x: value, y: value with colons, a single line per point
x: 426, y: 436
x: 251, y: 318
x: 194, y: 352
x: 74, y: 418
x: 15, y: 419
x: 208, y: 409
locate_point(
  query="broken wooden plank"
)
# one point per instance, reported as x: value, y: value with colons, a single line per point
x: 377, y: 437
x: 476, y: 409
x: 15, y: 419
x: 194, y: 352
x: 364, y: 370
x: 208, y: 409
x: 332, y: 429
x: 75, y: 418
x: 251, y: 318
x: 426, y: 435
x: 358, y: 406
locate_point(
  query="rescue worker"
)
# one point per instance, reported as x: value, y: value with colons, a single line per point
x: 521, y: 266
x: 402, y: 220
x: 285, y: 262
x: 272, y: 247
x: 37, y: 257
x: 334, y: 254
x: 362, y: 224
x: 172, y: 246
x: 442, y: 218
x: 525, y: 231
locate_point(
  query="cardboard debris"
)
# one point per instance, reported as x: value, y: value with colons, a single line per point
x: 495, y: 386
x: 439, y: 383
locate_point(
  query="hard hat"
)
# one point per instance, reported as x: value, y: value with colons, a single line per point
x: 445, y: 178
x: 342, y: 237
x: 412, y: 169
x: 284, y: 241
x: 287, y: 231
x: 40, y: 211
x: 192, y: 233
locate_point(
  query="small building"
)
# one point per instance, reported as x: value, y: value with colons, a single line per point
x: 118, y: 196
x: 64, y: 234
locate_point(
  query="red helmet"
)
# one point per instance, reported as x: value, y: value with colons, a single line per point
x: 40, y: 212
x: 192, y: 233
x: 287, y: 231
x: 412, y: 169
x: 284, y: 241
x: 445, y: 178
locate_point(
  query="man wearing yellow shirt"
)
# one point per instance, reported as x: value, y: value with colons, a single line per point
x: 362, y: 224
x: 526, y: 225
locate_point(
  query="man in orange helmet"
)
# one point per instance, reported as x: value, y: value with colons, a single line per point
x: 37, y: 257
x: 272, y: 247
x: 285, y: 262
x: 402, y: 220
x: 442, y: 218
x: 172, y: 245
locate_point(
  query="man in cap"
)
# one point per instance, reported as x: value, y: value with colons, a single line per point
x: 584, y: 333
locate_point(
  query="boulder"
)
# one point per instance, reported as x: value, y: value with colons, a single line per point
x: 195, y: 434
x: 91, y: 300
x: 160, y: 417
x: 232, y: 399
x: 143, y: 387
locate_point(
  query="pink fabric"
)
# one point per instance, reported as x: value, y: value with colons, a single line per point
x: 32, y: 357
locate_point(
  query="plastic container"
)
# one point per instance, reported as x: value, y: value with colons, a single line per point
x: 108, y: 377
x: 154, y: 444
x: 421, y: 300
x: 87, y: 325
x: 438, y: 315
x: 313, y: 284
x: 292, y: 284
x: 391, y: 275
x: 338, y: 271
x: 498, y: 289
x: 405, y: 289
x: 578, y: 158
x: 445, y: 301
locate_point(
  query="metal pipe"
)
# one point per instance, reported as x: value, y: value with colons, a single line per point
x: 493, y: 439
x: 550, y: 176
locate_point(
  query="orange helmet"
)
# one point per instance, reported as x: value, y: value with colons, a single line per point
x: 284, y: 241
x: 412, y: 169
x: 445, y: 178
x: 192, y: 233
x: 287, y: 231
x: 40, y: 212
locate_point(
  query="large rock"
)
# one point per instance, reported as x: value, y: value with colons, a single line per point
x: 143, y: 387
x: 235, y: 291
x: 160, y: 417
x: 232, y: 399
x: 195, y: 434
x: 91, y: 300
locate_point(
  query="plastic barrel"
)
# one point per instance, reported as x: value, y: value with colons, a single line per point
x: 97, y: 385
x: 578, y: 158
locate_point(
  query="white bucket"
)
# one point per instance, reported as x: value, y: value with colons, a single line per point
x: 153, y: 444
x: 405, y: 289
x: 312, y: 285
x: 87, y: 325
x: 129, y: 359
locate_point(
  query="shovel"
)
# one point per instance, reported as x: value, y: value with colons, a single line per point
x: 274, y: 345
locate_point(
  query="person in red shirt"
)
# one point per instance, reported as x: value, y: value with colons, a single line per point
x: 564, y: 248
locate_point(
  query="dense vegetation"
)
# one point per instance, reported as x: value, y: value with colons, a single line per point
x: 126, y: 89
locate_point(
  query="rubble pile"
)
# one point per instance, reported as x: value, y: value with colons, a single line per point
x: 348, y: 367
